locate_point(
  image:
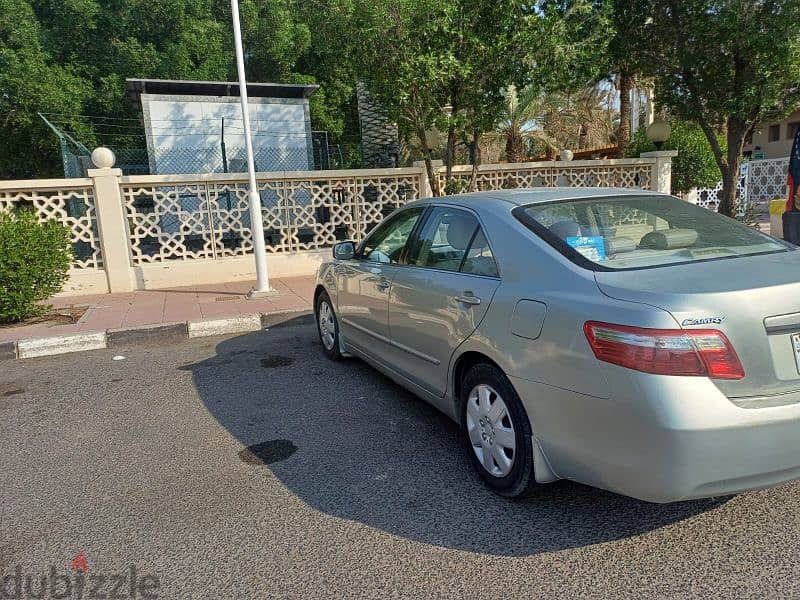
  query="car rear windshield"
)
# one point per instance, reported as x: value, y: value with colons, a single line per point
x: 635, y: 232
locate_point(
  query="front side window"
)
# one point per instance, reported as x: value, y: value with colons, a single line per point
x: 633, y: 232
x: 386, y: 243
x: 452, y: 240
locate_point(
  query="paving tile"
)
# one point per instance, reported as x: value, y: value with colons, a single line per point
x: 292, y: 303
x: 182, y: 312
x: 178, y: 304
x: 220, y: 309
x: 260, y: 305
x: 241, y: 287
x: 103, y: 322
x: 134, y: 318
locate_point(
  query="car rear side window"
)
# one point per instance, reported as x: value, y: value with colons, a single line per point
x: 479, y: 259
x: 634, y: 232
x: 452, y: 240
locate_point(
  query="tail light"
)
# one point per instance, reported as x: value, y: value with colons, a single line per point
x: 698, y: 352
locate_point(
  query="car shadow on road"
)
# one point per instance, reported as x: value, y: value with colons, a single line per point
x: 352, y: 444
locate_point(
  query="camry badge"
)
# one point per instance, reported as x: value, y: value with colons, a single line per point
x: 703, y: 321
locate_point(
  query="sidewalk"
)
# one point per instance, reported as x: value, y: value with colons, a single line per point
x: 189, y: 307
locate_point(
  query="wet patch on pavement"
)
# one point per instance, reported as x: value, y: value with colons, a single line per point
x: 274, y: 360
x: 267, y: 453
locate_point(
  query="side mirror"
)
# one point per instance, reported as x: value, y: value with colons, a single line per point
x: 344, y: 250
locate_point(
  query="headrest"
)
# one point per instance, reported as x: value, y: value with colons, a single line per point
x: 459, y: 231
x: 565, y: 229
x: 667, y: 239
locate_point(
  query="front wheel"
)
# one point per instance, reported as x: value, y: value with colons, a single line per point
x: 328, y: 327
x: 497, y: 430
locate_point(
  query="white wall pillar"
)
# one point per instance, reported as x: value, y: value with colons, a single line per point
x: 649, y: 111
x: 112, y: 222
x: 661, y: 176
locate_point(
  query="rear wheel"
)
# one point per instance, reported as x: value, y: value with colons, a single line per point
x: 497, y: 431
x: 328, y: 326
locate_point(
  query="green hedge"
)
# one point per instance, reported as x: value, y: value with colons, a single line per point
x: 694, y: 166
x: 34, y: 264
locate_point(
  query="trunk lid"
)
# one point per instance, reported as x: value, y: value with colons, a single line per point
x: 753, y: 300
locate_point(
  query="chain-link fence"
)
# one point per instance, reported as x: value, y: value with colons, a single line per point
x: 170, y: 161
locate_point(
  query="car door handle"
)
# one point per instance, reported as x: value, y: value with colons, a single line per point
x: 468, y: 299
x: 383, y: 284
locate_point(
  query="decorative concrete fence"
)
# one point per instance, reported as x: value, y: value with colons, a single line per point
x: 155, y: 231
x: 760, y: 181
x: 626, y: 173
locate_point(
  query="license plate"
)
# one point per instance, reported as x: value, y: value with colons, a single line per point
x: 796, y: 347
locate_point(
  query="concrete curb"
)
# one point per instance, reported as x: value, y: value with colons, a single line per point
x: 240, y: 324
x: 147, y: 334
x: 61, y: 344
x: 8, y: 350
x: 171, y: 332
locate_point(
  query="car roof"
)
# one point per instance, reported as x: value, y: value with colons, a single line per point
x: 523, y: 196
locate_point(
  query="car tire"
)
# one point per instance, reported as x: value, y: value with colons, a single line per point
x: 498, y: 436
x: 327, y: 326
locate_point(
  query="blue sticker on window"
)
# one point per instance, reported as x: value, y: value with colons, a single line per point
x: 592, y: 247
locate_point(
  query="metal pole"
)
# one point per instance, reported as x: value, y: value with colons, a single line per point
x: 256, y: 220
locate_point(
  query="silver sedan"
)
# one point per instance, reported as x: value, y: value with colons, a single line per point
x: 619, y: 338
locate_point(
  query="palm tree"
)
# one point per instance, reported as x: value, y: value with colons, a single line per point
x: 536, y: 123
x: 517, y: 123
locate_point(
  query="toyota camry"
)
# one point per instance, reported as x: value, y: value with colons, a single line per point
x: 623, y: 339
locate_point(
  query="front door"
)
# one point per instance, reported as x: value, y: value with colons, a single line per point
x: 439, y: 299
x: 365, y: 280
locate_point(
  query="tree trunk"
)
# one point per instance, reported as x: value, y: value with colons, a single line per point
x: 426, y: 155
x: 737, y: 130
x: 624, y: 130
x: 450, y: 155
x: 476, y: 160
x: 515, y: 147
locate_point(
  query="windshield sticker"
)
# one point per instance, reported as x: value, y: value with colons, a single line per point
x: 592, y: 247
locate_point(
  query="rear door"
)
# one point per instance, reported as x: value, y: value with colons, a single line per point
x: 365, y: 280
x: 439, y: 298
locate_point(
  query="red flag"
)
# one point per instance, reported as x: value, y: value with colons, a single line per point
x: 79, y: 562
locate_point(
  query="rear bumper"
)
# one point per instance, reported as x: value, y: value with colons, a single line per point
x: 663, y: 439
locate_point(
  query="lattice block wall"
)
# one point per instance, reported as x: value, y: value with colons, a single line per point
x: 497, y: 177
x: 211, y: 219
x: 70, y: 206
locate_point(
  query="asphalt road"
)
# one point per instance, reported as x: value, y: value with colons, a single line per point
x: 158, y: 461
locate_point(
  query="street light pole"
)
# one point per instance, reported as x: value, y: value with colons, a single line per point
x: 256, y: 220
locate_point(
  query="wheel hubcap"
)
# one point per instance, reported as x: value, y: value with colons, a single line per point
x: 327, y: 326
x: 491, y: 431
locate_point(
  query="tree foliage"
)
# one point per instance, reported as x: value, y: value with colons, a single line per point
x: 72, y: 57
x: 695, y: 165
x: 31, y: 80
x: 726, y: 65
x: 443, y: 64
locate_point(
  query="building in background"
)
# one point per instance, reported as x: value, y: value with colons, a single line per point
x: 196, y: 126
x: 774, y: 139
